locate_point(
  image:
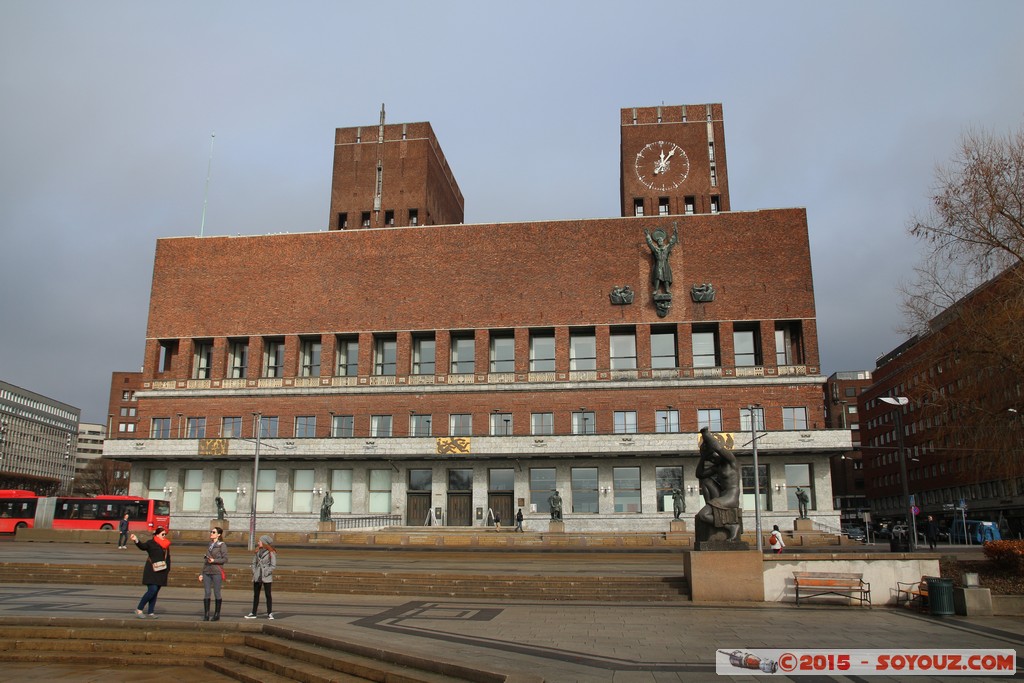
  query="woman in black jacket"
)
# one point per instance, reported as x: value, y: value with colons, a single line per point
x: 154, y: 577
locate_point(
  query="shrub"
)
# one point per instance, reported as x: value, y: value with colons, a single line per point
x: 1007, y: 555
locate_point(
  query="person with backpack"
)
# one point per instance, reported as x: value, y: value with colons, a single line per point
x: 775, y: 540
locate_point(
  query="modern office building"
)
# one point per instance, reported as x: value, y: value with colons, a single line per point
x: 38, y: 441
x: 425, y: 370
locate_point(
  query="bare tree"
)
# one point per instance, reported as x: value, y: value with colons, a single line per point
x: 100, y: 477
x: 966, y: 304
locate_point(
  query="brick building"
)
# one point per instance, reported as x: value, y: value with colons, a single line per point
x: 418, y: 367
x: 842, y: 412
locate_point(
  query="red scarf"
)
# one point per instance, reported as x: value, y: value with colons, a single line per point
x: 163, y: 542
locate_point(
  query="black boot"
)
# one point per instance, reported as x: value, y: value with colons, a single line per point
x: 206, y: 609
x: 216, y: 614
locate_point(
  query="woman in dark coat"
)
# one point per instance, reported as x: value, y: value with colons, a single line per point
x: 158, y: 549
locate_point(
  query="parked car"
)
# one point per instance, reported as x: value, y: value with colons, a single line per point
x: 977, y: 530
x: 883, y: 532
x: 855, y: 533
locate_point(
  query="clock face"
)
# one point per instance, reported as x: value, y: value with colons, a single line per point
x: 662, y: 166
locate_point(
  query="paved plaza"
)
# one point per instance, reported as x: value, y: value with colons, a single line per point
x: 561, y: 641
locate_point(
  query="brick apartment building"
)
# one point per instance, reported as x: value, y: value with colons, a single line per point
x: 423, y: 369
x: 842, y: 390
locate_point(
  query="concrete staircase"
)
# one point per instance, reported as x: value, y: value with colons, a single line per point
x: 458, y: 585
x: 239, y: 652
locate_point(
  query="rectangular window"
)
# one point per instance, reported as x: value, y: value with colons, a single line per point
x: 266, y: 485
x: 342, y: 221
x: 419, y: 425
x: 268, y: 427
x: 342, y: 426
x: 705, y: 348
x: 710, y: 418
x: 503, y: 353
x: 305, y: 427
x: 460, y: 480
x: 168, y: 350
x: 238, y: 358
x: 414, y: 217
x: 463, y: 355
x: 161, y: 428
x: 665, y: 480
x: 203, y: 362
x: 191, y: 490
x: 662, y: 206
x: 156, y: 483
x: 584, y: 489
x: 501, y: 424
x: 542, y: 485
x: 663, y: 349
x: 389, y: 218
x: 385, y: 350
x: 380, y: 425
x: 460, y: 424
x: 747, y: 473
x: 348, y: 357
x: 798, y: 476
x: 788, y: 343
x: 542, y: 351
x: 364, y: 219
x: 714, y: 203
x: 638, y: 207
x: 745, y: 414
x: 625, y: 421
x: 196, y: 427
x: 424, y: 351
x: 666, y: 421
x: 501, y: 480
x: 745, y: 341
x: 421, y: 481
x: 274, y: 358
x: 689, y: 205
x: 227, y: 489
x: 380, y: 492
x: 623, y: 349
x: 341, y: 491
x: 794, y: 418
x: 302, y: 490
x: 626, y: 484
x: 542, y: 424
x: 231, y: 427
x: 583, y: 351
x: 584, y: 423
x: 311, y: 357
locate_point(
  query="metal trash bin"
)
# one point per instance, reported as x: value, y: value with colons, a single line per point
x: 900, y: 544
x: 940, y: 596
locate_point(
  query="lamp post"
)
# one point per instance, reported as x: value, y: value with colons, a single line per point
x: 899, y: 402
x: 757, y: 478
x: 258, y: 427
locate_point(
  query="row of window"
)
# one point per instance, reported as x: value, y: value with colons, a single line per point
x: 461, y: 424
x: 365, y: 218
x: 581, y: 492
x: 953, y: 494
x: 664, y: 206
x: 582, y: 352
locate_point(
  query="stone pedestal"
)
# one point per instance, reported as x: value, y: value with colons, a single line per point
x: 972, y: 602
x: 677, y: 526
x: 326, y: 526
x: 803, y: 525
x: 724, y: 576
x: 222, y: 523
x: 555, y: 527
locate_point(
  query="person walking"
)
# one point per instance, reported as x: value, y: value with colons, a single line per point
x: 212, y: 574
x: 264, y: 561
x: 122, y: 539
x: 519, y: 520
x: 155, y: 571
x: 775, y: 540
x: 932, y: 532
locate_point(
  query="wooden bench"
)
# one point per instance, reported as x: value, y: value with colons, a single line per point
x: 912, y: 593
x: 815, y: 584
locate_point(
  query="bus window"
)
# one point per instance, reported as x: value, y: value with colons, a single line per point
x: 161, y: 507
x: 135, y: 513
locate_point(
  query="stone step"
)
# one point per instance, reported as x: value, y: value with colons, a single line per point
x: 194, y: 652
x: 238, y: 671
x: 287, y: 668
x: 106, y: 659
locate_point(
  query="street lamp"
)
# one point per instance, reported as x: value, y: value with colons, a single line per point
x: 258, y: 427
x: 757, y: 478
x: 899, y: 402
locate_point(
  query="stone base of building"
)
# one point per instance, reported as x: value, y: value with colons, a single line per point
x: 724, y: 576
x: 677, y: 526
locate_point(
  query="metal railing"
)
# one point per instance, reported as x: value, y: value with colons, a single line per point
x: 365, y: 522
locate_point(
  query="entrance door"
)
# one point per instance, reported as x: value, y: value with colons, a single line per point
x: 460, y: 509
x: 501, y: 505
x: 418, y: 507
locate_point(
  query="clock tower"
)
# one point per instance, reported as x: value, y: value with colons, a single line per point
x: 673, y: 160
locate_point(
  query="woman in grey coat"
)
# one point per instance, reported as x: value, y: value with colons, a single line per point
x: 263, y: 564
x: 212, y: 574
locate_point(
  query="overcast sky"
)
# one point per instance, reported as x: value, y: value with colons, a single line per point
x: 107, y: 107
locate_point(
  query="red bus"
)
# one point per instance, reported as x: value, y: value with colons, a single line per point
x: 18, y: 510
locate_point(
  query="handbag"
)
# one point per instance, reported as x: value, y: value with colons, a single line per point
x: 161, y: 565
